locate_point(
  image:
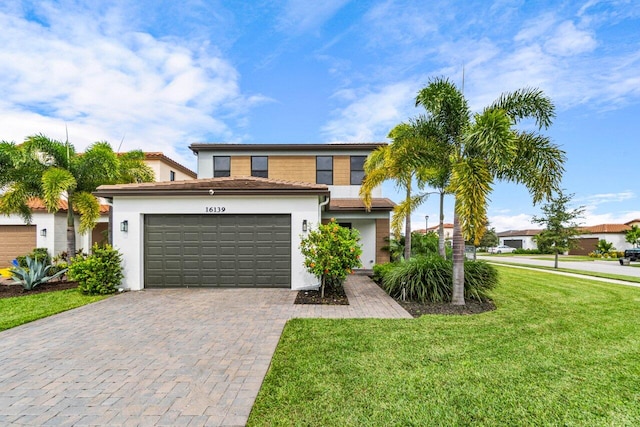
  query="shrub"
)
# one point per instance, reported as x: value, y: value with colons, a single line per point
x: 34, y: 274
x: 331, y: 252
x: 381, y: 270
x: 39, y: 254
x: 429, y: 279
x: 98, y: 273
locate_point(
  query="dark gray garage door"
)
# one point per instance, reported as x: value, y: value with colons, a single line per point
x: 514, y: 243
x: 217, y: 250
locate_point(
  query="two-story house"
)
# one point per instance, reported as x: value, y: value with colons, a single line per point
x: 240, y: 223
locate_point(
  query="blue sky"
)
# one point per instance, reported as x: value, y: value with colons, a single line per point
x: 160, y: 75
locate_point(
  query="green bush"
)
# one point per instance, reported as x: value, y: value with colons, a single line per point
x: 430, y: 279
x: 99, y: 273
x: 34, y: 274
x: 381, y: 270
x: 38, y: 254
x: 528, y: 252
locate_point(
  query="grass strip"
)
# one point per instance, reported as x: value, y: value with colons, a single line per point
x: 23, y: 309
x: 570, y: 270
x: 557, y: 351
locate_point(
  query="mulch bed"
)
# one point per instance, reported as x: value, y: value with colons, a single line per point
x: 8, y: 289
x: 417, y: 309
x: 331, y: 297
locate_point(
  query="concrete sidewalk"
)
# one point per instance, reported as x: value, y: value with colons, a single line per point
x: 158, y: 357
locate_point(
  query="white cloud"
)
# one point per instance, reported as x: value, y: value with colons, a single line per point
x: 568, y: 40
x: 511, y: 222
x: 597, y: 199
x: 104, y: 82
x: 372, y: 115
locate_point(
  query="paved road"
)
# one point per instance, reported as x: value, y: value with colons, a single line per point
x: 609, y: 267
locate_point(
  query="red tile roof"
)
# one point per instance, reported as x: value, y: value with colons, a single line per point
x: 514, y: 233
x: 358, y: 205
x: 605, y: 228
x: 247, y: 185
x: 36, y: 204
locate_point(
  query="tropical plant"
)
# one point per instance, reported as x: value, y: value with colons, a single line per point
x: 397, y: 162
x: 99, y: 273
x: 633, y: 236
x: 331, y: 252
x: 34, y: 274
x: 40, y: 254
x: 604, y: 247
x: 560, y: 225
x: 428, y: 279
x: 486, y: 147
x: 52, y: 170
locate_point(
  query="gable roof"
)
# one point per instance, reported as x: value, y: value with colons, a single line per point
x: 358, y: 205
x: 333, y: 147
x: 246, y: 185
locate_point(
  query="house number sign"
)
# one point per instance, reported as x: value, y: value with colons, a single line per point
x: 215, y: 209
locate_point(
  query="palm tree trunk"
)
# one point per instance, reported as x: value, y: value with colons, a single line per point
x: 441, y: 249
x: 457, y: 297
x: 407, y: 230
x: 71, y: 229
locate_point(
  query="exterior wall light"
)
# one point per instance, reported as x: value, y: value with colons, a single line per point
x: 43, y: 232
x: 304, y: 225
x: 124, y: 226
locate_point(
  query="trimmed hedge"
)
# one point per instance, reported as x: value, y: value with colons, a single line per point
x: 429, y: 279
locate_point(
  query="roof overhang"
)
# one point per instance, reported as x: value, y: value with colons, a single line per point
x: 332, y: 147
x: 357, y: 205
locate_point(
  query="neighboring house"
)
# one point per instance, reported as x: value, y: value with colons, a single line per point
x: 49, y: 230
x: 587, y: 239
x: 241, y: 222
x: 448, y: 230
x: 519, y: 239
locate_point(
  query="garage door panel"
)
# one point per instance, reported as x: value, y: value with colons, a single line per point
x: 210, y: 250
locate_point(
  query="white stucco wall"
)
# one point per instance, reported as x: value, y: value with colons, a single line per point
x: 365, y: 223
x: 133, y: 209
x: 616, y: 238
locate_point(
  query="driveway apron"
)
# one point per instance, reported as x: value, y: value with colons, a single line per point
x: 159, y: 357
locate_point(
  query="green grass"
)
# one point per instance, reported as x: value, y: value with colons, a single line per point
x: 557, y: 351
x: 23, y: 309
x: 569, y: 270
x: 572, y: 258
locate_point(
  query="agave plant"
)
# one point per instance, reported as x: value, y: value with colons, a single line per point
x: 35, y: 273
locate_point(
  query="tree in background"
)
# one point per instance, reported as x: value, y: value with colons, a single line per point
x: 52, y: 170
x: 560, y: 226
x: 633, y: 236
x: 489, y: 239
x: 486, y: 147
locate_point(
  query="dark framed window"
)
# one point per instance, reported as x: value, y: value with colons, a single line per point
x: 172, y: 176
x: 324, y: 170
x: 260, y: 166
x: 357, y: 169
x: 221, y: 166
x: 345, y: 225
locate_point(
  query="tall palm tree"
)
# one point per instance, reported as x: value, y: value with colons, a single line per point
x: 487, y: 147
x: 396, y: 162
x: 50, y: 170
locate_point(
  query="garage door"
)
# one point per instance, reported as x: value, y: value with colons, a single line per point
x: 217, y: 250
x: 584, y: 246
x: 15, y: 240
x: 514, y: 243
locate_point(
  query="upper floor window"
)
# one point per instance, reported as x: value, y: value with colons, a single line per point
x: 221, y: 166
x: 172, y: 176
x: 324, y: 170
x: 260, y: 166
x: 357, y: 169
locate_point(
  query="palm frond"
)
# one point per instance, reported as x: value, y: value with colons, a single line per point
x: 89, y: 209
x: 491, y: 137
x: 55, y: 182
x: 527, y: 103
x: 471, y: 181
x: 50, y: 151
x: 14, y: 201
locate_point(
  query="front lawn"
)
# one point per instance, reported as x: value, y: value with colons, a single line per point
x: 18, y: 310
x: 557, y: 351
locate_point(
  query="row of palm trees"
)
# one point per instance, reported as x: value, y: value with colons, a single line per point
x: 450, y: 150
x: 52, y: 170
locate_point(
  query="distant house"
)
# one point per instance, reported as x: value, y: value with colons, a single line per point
x: 448, y: 230
x: 49, y: 230
x: 519, y: 239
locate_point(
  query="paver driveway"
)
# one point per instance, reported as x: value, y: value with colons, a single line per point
x: 161, y: 357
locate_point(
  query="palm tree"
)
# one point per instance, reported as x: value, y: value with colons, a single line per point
x: 50, y: 170
x: 396, y: 162
x: 486, y: 147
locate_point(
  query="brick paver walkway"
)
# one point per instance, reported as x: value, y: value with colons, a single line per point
x: 158, y: 357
